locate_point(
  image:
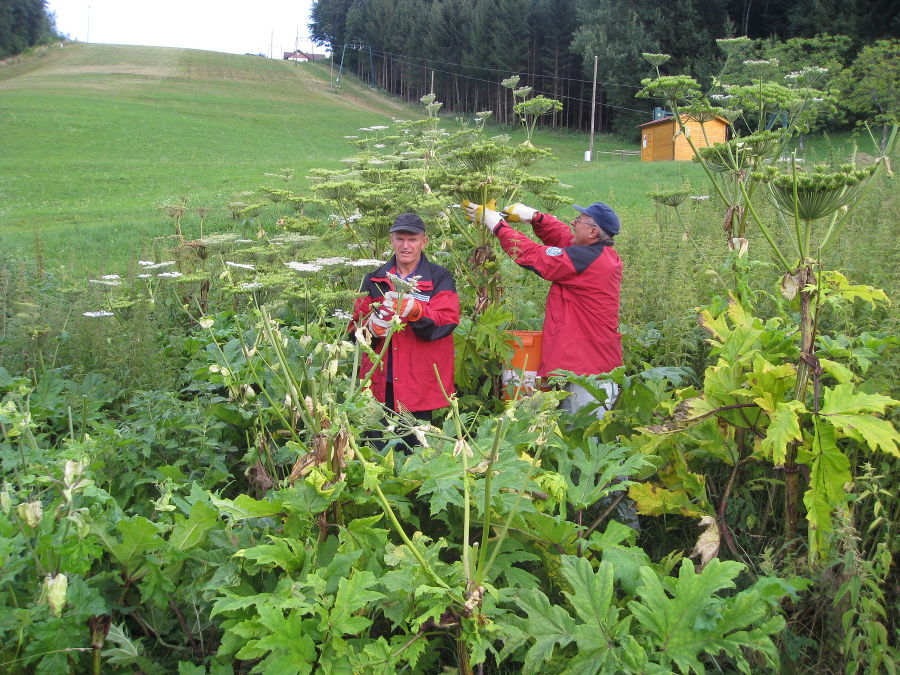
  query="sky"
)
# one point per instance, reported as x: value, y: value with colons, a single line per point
x: 235, y: 26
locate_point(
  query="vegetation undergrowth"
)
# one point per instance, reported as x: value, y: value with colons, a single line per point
x: 190, y: 482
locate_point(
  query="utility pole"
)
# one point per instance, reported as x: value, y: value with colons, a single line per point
x: 271, y: 42
x: 590, y: 153
x: 88, y: 37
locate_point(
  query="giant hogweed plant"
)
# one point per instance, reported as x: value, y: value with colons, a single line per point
x: 417, y: 165
x: 351, y: 575
x: 761, y: 396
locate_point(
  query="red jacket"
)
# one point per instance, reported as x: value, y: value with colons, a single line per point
x: 581, y: 322
x: 421, y: 344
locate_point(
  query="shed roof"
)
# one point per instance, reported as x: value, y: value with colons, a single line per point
x: 671, y: 117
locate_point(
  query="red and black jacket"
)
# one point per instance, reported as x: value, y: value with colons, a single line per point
x: 581, y: 323
x: 421, y: 345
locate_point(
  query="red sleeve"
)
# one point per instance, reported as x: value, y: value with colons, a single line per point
x: 551, y: 231
x: 549, y: 262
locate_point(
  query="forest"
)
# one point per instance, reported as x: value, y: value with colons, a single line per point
x: 23, y: 24
x: 461, y: 50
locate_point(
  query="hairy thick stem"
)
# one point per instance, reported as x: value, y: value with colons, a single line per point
x: 806, y: 276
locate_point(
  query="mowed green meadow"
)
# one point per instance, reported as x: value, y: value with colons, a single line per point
x: 95, y: 138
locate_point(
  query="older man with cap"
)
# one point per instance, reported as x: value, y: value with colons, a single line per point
x: 582, y: 313
x: 406, y: 378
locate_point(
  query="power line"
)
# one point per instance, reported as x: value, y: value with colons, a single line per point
x: 537, y: 91
x: 357, y: 45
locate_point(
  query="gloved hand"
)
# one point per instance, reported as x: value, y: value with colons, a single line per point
x: 483, y: 214
x: 518, y: 213
x: 377, y: 325
x: 409, y: 309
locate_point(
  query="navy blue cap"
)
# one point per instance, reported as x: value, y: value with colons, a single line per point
x: 408, y: 222
x: 605, y: 217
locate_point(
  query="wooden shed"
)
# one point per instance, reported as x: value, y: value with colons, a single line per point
x: 658, y: 141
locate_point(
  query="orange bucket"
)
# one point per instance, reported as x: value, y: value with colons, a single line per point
x: 520, y: 374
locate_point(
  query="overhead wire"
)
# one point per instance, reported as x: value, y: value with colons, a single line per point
x: 488, y: 68
x: 400, y: 59
x: 537, y: 91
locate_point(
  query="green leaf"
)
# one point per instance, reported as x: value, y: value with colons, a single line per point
x: 829, y: 472
x: 591, y: 592
x: 688, y: 413
x: 652, y: 499
x: 874, y: 432
x: 676, y: 626
x: 353, y: 594
x: 550, y: 625
x: 838, y: 371
x: 244, y: 507
x: 441, y: 480
x: 784, y: 427
x: 139, y: 536
x: 844, y: 400
x: 770, y: 383
x: 288, y: 554
x: 292, y: 650
x: 189, y: 532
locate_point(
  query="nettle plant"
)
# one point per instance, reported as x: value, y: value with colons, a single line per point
x: 770, y: 397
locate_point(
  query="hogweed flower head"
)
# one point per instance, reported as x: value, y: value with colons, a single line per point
x: 303, y: 267
x: 656, y: 60
x: 819, y: 193
x: 409, y: 285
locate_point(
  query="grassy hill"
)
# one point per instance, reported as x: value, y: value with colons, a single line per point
x: 96, y: 137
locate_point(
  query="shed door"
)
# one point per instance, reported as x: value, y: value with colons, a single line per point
x: 647, y: 146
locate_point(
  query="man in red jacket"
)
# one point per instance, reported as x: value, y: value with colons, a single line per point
x: 406, y: 378
x: 582, y: 313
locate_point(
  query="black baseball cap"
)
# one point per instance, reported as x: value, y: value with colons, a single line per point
x: 408, y: 222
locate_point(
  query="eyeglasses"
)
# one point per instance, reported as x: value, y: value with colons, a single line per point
x: 584, y: 221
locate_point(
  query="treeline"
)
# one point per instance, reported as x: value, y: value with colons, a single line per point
x: 462, y: 49
x: 23, y: 24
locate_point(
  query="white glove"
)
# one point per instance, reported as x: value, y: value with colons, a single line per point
x: 485, y: 215
x: 518, y: 213
x: 377, y: 325
x: 409, y: 310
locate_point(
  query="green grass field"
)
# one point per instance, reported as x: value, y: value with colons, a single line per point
x: 96, y: 137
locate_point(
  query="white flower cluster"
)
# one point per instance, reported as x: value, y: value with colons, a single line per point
x: 327, y: 262
x: 699, y: 198
x: 342, y: 314
x: 105, y: 282
x: 150, y: 265
x: 303, y: 267
x: 365, y: 262
x: 240, y: 266
x: 170, y: 275
x: 94, y: 315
